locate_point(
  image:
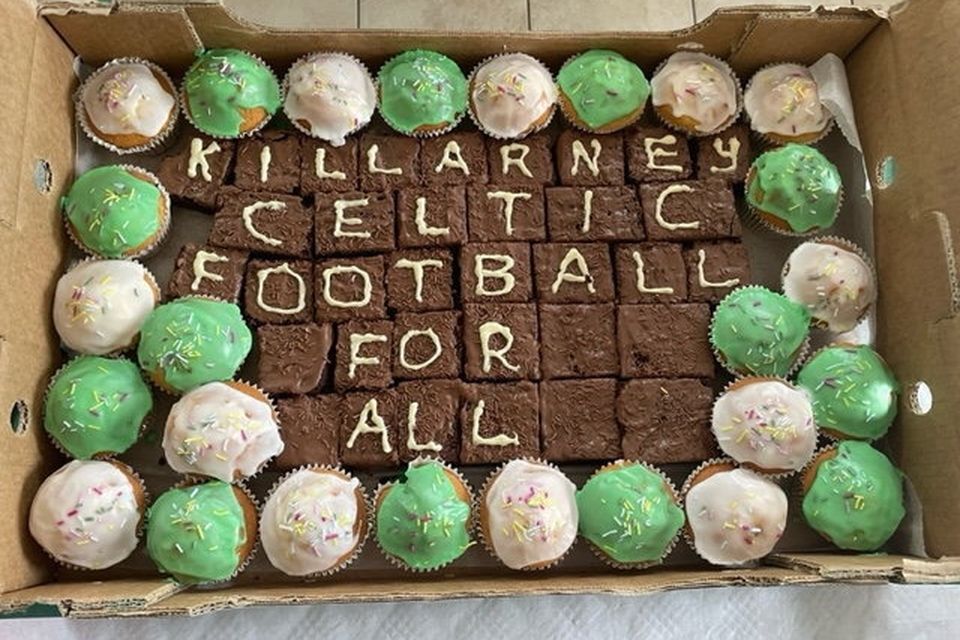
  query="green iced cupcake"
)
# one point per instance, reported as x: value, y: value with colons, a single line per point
x: 422, y: 93
x: 853, y: 496
x: 759, y: 332
x: 423, y: 520
x: 227, y: 93
x: 629, y: 514
x: 96, y: 406
x: 116, y: 211
x: 854, y: 392
x: 601, y: 91
x: 191, y: 341
x: 794, y: 190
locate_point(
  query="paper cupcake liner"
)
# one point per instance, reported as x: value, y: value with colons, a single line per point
x: 570, y: 114
x: 431, y: 133
x: 692, y: 132
x: 535, y: 128
x: 687, y: 530
x: 365, y: 526
x: 378, y: 497
x: 164, y: 79
x: 775, y: 140
x: 753, y: 217
x: 285, y: 87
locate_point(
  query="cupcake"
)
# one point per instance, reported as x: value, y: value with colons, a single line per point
x: 314, y: 521
x: 229, y: 93
x: 854, y: 392
x: 833, y: 279
x: 191, y: 341
x: 127, y: 105
x: 733, y: 515
x: 512, y: 95
x: 100, y: 305
x: 329, y: 96
x: 422, y: 93
x: 756, y: 331
x: 695, y: 93
x: 794, y: 190
x: 117, y: 211
x: 423, y: 519
x: 601, y: 91
x: 87, y: 514
x: 528, y: 514
x: 202, y: 533
x: 783, y: 104
x: 765, y: 424
x: 630, y: 514
x: 226, y: 431
x: 853, y: 496
x: 95, y: 406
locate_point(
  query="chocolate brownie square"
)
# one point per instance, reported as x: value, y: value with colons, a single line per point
x: 664, y: 341
x: 428, y: 415
x: 656, y: 154
x: 293, y: 358
x: 650, y: 272
x: 454, y: 158
x: 369, y: 435
x: 506, y: 213
x: 715, y: 269
x: 420, y: 280
x: 270, y: 161
x: 495, y: 272
x: 349, y: 288
x: 324, y: 167
x: 527, y: 162
x: 197, y: 168
x: 666, y: 421
x: 602, y: 214
x: 207, y: 271
x: 426, y: 345
x: 725, y: 155
x: 500, y: 342
x: 689, y: 210
x: 279, y: 291
x: 573, y: 273
x: 310, y: 427
x: 499, y: 422
x: 388, y: 162
x: 578, y: 340
x: 586, y: 160
x: 353, y: 222
x: 270, y: 223
x: 431, y: 216
x: 364, y: 355
x: 578, y: 420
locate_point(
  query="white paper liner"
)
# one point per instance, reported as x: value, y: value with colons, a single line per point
x: 534, y: 128
x: 570, y: 115
x: 429, y: 133
x: 693, y: 133
x: 752, y: 216
x: 776, y: 140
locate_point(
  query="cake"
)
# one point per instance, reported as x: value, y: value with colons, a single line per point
x: 783, y: 105
x: 422, y: 93
x: 512, y: 95
x: 601, y: 91
x: 695, y: 93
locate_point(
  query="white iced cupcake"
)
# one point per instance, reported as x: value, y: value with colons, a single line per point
x: 695, y: 93
x: 782, y: 102
x: 512, y: 95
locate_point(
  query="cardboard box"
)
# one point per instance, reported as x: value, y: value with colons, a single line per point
x: 903, y: 83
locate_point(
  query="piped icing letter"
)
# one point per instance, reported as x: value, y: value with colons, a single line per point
x: 248, y: 211
x: 357, y: 340
x: 508, y: 197
x: 373, y: 167
x: 414, y: 333
x: 580, y: 153
x: 487, y: 330
x: 731, y: 154
x: 483, y: 272
x: 564, y: 275
x: 417, y: 267
x: 200, y: 269
x: 499, y: 440
x: 339, y: 269
x: 653, y: 152
x: 340, y: 220
x: 412, y: 443
x: 642, y: 278
x: 320, y: 169
x: 198, y: 158
x: 283, y: 269
x: 658, y: 213
x: 370, y: 421
x: 507, y: 160
x: 453, y: 159
x: 420, y: 218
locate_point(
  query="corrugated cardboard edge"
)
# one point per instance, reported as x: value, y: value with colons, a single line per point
x: 105, y: 598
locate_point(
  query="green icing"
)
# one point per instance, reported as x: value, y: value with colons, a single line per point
x: 422, y: 521
x: 757, y: 331
x: 421, y: 89
x: 192, y: 341
x: 113, y: 212
x: 853, y: 390
x: 603, y: 86
x: 796, y: 184
x: 223, y: 82
x: 194, y: 533
x: 628, y: 514
x: 96, y: 405
x: 856, y: 498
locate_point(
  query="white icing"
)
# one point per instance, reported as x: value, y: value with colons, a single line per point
x: 736, y: 516
x: 502, y: 273
x: 531, y: 513
x: 265, y: 158
x: 412, y: 443
x: 653, y: 153
x: 580, y: 153
x: 357, y: 340
x: 487, y: 330
x: 642, y: 278
x: 452, y: 158
x: 508, y: 197
x: 247, y: 214
x: 731, y: 154
x: 100, y: 305
x: 587, y: 210
x: 564, y: 275
x: 507, y: 161
x: 320, y: 167
x: 198, y: 158
x: 200, y: 272
x: 339, y: 219
x: 284, y: 269
x: 511, y: 93
x: 702, y: 277
x: 126, y: 98
x: 499, y: 440
x: 410, y: 335
x: 222, y: 432
x: 784, y: 100
x: 309, y: 522
x: 373, y: 167
x: 767, y: 423
x: 658, y: 211
x: 420, y: 218
x: 370, y: 421
x: 335, y: 270
x: 417, y: 267
x: 695, y: 86
x: 86, y: 514
x: 332, y: 93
